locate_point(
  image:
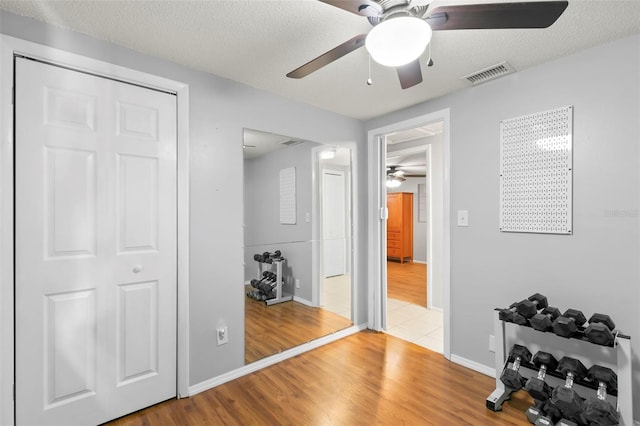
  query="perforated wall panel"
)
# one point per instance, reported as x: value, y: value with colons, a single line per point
x: 536, y: 168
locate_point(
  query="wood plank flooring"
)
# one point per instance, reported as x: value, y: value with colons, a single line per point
x: 271, y: 329
x: 407, y: 282
x: 365, y: 379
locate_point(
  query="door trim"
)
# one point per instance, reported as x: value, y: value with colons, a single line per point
x: 316, y: 227
x: 376, y: 251
x: 10, y: 46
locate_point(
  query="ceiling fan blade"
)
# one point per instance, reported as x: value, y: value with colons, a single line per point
x: 328, y: 57
x: 497, y: 15
x: 410, y: 74
x: 359, y: 7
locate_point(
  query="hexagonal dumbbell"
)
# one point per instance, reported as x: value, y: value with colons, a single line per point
x: 536, y: 386
x: 543, y: 321
x: 597, y: 410
x: 565, y: 397
x: 600, y: 330
x: 511, y: 375
x: 511, y: 314
x: 568, y: 323
x: 551, y: 415
x: 534, y: 412
x: 530, y: 306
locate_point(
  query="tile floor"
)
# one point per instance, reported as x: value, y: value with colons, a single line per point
x: 406, y: 321
x: 336, y: 295
x: 415, y: 324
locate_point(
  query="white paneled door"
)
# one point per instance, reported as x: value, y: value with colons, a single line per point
x: 333, y: 223
x: 95, y: 246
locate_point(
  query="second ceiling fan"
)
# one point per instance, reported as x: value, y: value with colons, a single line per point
x: 402, y: 29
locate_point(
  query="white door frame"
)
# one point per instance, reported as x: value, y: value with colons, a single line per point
x: 316, y: 225
x: 377, y: 213
x: 10, y: 46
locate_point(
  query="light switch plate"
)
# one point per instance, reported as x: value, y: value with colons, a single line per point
x: 463, y: 218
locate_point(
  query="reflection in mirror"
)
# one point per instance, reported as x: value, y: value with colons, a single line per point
x: 299, y: 204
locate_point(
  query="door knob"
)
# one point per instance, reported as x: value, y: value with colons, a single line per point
x: 137, y: 268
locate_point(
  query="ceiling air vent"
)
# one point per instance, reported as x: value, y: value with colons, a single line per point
x: 490, y: 73
x: 291, y: 142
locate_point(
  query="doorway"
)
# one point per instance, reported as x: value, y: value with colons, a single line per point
x: 377, y: 254
x: 414, y: 200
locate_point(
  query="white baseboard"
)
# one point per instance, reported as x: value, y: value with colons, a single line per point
x: 424, y: 262
x: 273, y: 359
x: 480, y: 368
x: 303, y: 301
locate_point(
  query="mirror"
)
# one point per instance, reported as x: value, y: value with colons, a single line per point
x: 297, y: 241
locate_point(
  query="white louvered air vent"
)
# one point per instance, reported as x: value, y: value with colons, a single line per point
x: 291, y: 142
x: 490, y: 73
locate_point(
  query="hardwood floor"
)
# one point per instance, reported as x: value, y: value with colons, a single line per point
x: 364, y: 379
x: 272, y: 329
x: 407, y: 282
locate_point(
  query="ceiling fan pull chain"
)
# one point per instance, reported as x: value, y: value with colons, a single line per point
x: 429, y: 60
x: 369, y: 81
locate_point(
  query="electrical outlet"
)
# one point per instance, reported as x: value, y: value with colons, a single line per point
x: 222, y: 335
x: 492, y: 343
x: 297, y: 283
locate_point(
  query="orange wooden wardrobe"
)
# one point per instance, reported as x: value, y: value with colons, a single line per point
x: 400, y: 226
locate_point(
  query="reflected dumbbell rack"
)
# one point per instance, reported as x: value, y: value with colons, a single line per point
x: 266, y: 263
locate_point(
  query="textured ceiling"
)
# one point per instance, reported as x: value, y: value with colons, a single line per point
x: 258, y: 42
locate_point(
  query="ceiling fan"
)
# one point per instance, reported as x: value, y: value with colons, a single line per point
x: 402, y: 29
x: 394, y: 177
x: 395, y: 172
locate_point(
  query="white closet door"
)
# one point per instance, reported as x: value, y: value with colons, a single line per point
x: 95, y: 246
x: 333, y: 223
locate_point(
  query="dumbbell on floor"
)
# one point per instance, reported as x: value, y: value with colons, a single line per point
x: 597, y: 410
x: 543, y: 321
x: 600, y: 330
x: 568, y: 323
x: 565, y: 397
x: 511, y: 375
x: 530, y: 306
x: 551, y: 414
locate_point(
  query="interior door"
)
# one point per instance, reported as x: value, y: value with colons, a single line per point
x: 333, y: 223
x: 95, y: 246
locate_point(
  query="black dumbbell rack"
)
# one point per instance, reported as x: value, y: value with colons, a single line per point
x: 281, y: 296
x: 621, y: 344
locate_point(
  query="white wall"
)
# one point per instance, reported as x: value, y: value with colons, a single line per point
x: 597, y: 268
x: 219, y: 110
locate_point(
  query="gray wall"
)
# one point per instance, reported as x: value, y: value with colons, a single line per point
x: 219, y: 110
x: 597, y: 268
x: 263, y: 230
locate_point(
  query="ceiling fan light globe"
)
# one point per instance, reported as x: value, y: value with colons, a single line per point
x: 393, y: 183
x: 398, y: 41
